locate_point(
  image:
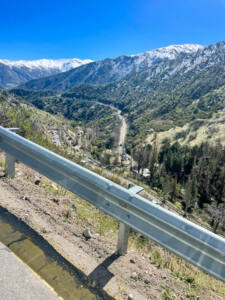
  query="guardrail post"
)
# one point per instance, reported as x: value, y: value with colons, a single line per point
x: 10, y: 160
x: 123, y: 236
x: 9, y: 165
x: 124, y: 230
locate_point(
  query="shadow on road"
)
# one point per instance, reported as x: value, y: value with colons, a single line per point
x: 101, y: 274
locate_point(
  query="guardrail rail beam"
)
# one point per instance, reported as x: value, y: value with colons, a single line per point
x: 195, y: 244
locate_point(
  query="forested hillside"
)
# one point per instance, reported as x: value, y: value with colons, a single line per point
x: 77, y: 127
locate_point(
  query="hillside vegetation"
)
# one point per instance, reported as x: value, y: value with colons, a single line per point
x: 71, y: 130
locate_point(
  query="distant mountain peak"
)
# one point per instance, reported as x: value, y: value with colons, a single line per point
x: 14, y: 72
x: 171, y: 51
x: 62, y: 65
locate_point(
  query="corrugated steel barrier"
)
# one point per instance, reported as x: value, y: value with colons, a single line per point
x: 195, y: 244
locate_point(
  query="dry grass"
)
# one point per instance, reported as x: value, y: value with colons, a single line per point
x: 195, y: 132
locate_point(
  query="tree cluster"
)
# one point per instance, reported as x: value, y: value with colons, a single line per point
x: 193, y: 176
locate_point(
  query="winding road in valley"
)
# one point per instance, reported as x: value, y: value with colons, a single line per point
x: 122, y: 133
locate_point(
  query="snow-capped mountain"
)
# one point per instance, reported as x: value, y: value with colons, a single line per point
x: 17, y: 72
x: 110, y: 70
x: 47, y: 64
x: 166, y: 53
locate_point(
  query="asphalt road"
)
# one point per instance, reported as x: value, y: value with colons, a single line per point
x: 18, y: 281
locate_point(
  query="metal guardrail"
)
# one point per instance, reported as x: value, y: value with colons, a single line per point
x: 189, y: 241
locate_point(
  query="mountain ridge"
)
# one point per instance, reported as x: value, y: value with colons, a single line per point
x: 169, y: 93
x: 110, y: 70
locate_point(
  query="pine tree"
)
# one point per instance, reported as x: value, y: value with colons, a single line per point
x: 174, y: 190
x: 194, y: 190
x: 153, y: 161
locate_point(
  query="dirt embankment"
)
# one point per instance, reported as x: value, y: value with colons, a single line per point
x: 45, y: 210
x: 61, y: 218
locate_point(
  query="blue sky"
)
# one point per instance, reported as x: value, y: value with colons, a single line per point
x: 31, y: 29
